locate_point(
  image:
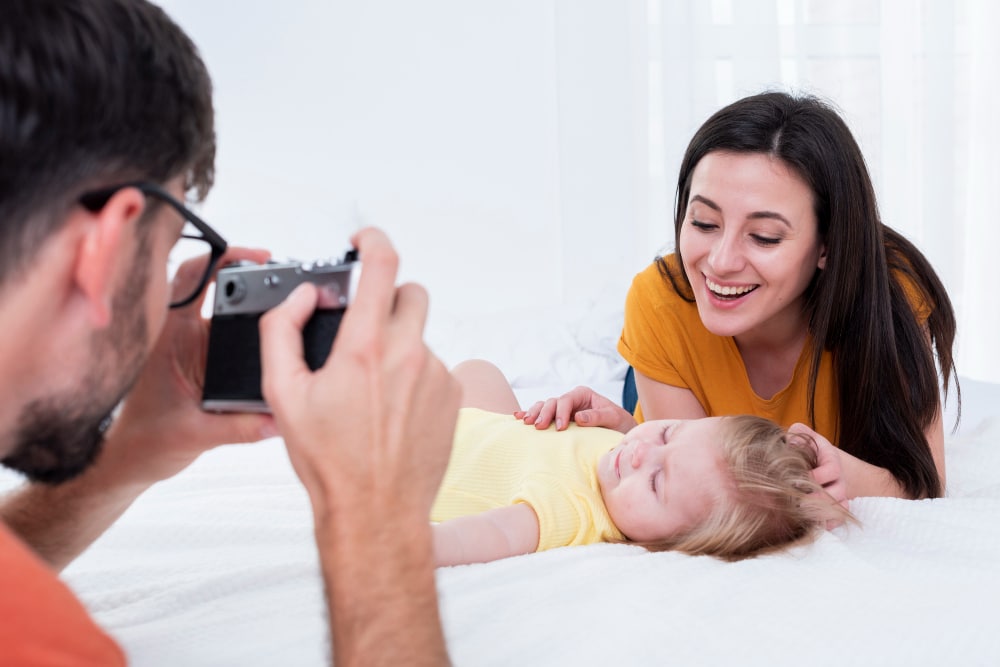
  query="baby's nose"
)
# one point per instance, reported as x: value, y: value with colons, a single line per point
x: 640, y: 450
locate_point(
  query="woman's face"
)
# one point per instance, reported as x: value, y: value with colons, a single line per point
x: 750, y: 243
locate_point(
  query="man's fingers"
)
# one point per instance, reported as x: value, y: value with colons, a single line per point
x: 410, y: 314
x: 376, y: 293
x: 281, y: 338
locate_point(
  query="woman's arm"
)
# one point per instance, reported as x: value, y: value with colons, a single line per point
x: 491, y: 535
x: 588, y: 408
x: 664, y: 401
x: 865, y: 479
x: 859, y: 478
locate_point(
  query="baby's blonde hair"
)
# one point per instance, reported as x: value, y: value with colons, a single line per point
x: 773, y: 501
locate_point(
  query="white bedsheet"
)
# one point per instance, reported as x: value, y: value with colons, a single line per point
x: 218, y: 567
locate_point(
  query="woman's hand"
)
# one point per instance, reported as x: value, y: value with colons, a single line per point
x: 829, y: 470
x: 584, y: 406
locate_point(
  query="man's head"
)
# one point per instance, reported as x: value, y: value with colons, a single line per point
x: 93, y: 94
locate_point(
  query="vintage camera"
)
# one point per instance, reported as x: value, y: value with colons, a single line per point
x: 244, y: 292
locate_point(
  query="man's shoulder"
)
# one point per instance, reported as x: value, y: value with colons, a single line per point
x: 41, y: 616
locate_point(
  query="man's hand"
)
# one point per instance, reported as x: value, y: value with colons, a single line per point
x: 376, y: 422
x: 369, y: 435
x: 162, y: 427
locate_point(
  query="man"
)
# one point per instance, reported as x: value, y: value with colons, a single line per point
x: 106, y: 124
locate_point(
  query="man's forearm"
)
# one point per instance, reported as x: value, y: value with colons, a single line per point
x: 60, y: 522
x: 381, y: 591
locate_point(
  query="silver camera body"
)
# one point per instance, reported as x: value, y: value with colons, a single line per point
x: 244, y: 292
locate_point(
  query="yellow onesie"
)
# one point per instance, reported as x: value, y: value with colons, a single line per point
x: 497, y: 461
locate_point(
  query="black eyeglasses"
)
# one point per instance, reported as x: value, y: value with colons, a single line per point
x: 191, y: 243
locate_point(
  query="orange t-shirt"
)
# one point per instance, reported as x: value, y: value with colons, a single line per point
x: 41, y: 621
x: 664, y: 339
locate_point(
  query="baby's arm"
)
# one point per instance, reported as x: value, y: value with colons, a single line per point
x: 491, y: 535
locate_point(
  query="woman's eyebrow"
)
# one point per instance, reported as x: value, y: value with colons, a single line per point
x: 707, y: 202
x: 756, y: 215
x: 769, y: 214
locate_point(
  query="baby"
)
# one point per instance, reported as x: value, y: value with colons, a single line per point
x: 730, y: 487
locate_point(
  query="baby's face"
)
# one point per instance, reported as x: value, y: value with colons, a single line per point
x: 664, y: 477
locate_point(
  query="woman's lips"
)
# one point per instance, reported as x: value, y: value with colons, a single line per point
x: 728, y: 292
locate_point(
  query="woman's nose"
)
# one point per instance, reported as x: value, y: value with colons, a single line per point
x: 726, y: 255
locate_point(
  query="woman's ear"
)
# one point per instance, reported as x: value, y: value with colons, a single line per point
x: 103, y: 244
x: 821, y: 264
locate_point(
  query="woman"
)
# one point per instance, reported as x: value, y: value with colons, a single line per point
x: 788, y: 298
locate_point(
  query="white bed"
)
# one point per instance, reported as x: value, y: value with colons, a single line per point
x: 217, y: 566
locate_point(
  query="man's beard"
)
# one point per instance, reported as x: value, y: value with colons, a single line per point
x: 59, y: 436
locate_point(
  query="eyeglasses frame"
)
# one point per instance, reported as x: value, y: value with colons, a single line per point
x: 95, y: 200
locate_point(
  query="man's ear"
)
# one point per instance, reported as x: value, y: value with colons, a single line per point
x: 104, y: 243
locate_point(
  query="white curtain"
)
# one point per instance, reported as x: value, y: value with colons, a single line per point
x: 915, y: 80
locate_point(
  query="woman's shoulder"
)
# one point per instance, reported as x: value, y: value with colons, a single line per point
x: 920, y: 302
x: 662, y: 280
x: 914, y: 274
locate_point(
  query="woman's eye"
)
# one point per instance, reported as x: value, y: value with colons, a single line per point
x: 703, y: 226
x: 765, y: 240
x: 652, y: 482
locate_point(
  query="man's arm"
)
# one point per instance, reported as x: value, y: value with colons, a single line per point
x: 60, y: 522
x: 369, y: 435
x: 491, y: 535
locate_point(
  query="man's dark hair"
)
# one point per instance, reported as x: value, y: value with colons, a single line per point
x: 93, y: 93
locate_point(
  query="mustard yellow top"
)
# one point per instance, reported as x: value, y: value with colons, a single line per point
x: 664, y: 339
x: 497, y: 461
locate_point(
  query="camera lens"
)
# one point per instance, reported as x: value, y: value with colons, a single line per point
x: 234, y: 290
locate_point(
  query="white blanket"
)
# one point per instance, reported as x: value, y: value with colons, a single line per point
x: 218, y: 567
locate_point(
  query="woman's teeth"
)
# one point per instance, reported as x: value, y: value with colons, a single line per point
x: 729, y: 290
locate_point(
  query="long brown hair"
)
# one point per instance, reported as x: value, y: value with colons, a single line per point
x: 883, y: 356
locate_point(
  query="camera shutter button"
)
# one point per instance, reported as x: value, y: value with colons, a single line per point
x: 330, y: 296
x: 272, y: 280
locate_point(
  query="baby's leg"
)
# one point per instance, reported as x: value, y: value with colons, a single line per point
x: 484, y: 386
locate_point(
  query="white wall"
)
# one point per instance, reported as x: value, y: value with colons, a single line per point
x: 500, y: 168
x: 523, y: 151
